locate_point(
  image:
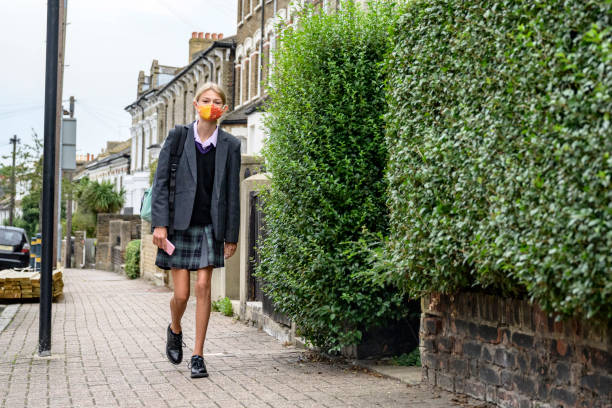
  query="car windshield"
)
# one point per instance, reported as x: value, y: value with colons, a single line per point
x: 8, y: 237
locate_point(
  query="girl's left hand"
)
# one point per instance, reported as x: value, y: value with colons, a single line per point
x: 228, y: 249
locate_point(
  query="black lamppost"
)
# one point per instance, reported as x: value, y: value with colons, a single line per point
x: 48, y: 204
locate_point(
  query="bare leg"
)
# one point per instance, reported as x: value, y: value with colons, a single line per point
x: 178, y: 303
x: 202, y: 291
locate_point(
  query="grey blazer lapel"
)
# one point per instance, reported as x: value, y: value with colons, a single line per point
x: 189, y: 150
x: 220, y: 159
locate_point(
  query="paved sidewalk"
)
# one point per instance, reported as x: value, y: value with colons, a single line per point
x: 108, y: 350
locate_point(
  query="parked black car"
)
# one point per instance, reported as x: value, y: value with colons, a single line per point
x: 14, y: 248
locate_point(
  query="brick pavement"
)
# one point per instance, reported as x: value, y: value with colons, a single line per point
x: 108, y: 350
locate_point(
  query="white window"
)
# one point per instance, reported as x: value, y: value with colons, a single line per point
x: 135, y: 154
x: 243, y: 144
x: 247, y: 8
x: 248, y: 79
x: 256, y: 71
x: 251, y: 136
x: 241, y: 80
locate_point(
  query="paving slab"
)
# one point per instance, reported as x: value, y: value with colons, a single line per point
x: 7, y: 312
x: 108, y: 350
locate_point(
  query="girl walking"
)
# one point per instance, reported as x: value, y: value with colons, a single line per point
x: 206, y: 217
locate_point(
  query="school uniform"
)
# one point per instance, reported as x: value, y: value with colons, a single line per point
x: 207, y: 200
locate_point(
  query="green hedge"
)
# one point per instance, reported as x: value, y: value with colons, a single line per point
x: 132, y: 259
x: 327, y: 156
x: 500, y: 150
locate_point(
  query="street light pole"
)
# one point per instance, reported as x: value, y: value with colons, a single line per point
x: 44, y: 332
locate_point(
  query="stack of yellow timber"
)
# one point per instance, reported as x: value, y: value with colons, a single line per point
x: 26, y: 285
x: 16, y: 285
x: 58, y: 283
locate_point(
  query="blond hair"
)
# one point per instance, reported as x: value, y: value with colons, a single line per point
x: 211, y: 86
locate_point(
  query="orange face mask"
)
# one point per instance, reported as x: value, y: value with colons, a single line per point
x: 210, y: 112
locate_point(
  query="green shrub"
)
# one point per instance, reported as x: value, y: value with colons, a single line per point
x: 132, y: 259
x: 224, y: 306
x: 500, y: 150
x: 325, y: 209
x: 84, y: 221
x: 412, y: 359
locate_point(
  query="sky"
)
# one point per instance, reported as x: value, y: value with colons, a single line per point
x: 107, y: 44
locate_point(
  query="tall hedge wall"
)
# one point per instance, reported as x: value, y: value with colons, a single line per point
x: 500, y: 150
x: 326, y: 153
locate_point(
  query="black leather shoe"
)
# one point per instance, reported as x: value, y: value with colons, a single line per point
x: 198, y: 368
x: 174, y: 347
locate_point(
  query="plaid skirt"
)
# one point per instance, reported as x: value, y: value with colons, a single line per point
x: 195, y: 248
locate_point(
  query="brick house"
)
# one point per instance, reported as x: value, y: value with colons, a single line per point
x: 256, y: 34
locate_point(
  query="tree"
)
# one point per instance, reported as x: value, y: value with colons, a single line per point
x: 101, y: 197
x: 29, y: 214
x: 28, y: 167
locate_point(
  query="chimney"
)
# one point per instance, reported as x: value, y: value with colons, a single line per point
x: 154, y: 71
x: 214, y: 36
x: 220, y: 36
x: 141, y: 81
x: 197, y: 43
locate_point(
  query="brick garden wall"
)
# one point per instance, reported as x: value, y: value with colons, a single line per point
x: 77, y: 250
x: 510, y: 353
x: 117, y: 258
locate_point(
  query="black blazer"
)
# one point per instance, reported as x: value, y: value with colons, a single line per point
x: 225, y: 202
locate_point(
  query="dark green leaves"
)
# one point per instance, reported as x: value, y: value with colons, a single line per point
x: 99, y: 197
x: 327, y: 155
x: 499, y: 139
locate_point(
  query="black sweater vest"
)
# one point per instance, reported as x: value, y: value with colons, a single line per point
x: 206, y: 176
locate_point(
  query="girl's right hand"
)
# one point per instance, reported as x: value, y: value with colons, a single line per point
x: 159, y: 236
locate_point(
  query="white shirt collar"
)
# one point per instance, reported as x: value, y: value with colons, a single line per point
x: 211, y: 140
